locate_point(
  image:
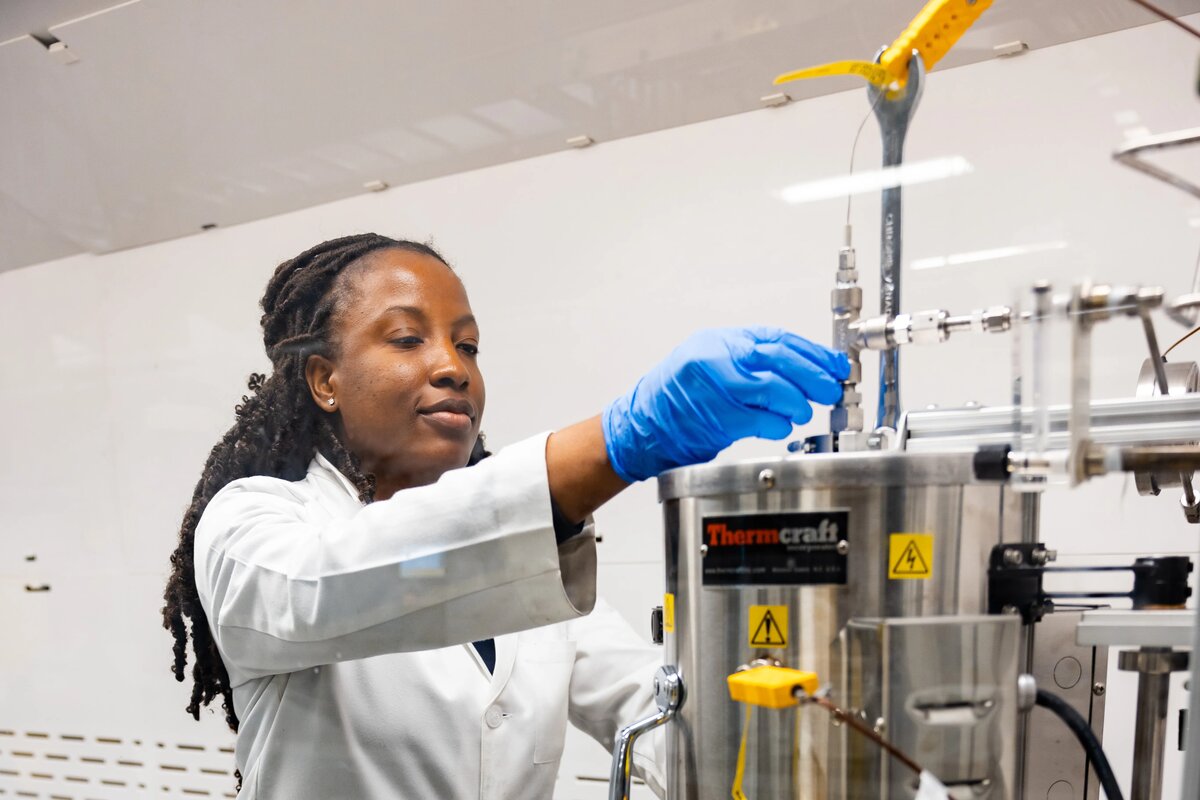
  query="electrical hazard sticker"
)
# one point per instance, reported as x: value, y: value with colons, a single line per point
x: 768, y: 626
x: 910, y: 556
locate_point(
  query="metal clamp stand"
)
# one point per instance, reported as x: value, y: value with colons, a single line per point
x: 668, y: 694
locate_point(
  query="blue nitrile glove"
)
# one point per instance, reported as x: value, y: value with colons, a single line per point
x: 719, y: 386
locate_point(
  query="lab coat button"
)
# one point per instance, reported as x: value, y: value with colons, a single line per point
x: 493, y: 717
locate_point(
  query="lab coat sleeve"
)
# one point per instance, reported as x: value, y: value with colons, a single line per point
x: 469, y: 557
x: 612, y: 685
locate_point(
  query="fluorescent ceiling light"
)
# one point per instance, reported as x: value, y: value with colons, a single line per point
x: 993, y: 254
x: 876, y: 179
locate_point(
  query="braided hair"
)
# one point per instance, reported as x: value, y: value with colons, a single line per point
x: 277, y: 433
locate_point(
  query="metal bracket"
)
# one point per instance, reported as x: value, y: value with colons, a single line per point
x: 1016, y: 570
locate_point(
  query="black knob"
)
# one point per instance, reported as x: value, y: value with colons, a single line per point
x: 656, y: 624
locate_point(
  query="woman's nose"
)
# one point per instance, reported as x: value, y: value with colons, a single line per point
x: 449, y: 368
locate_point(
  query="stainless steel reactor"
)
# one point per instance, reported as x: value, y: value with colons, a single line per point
x: 868, y: 569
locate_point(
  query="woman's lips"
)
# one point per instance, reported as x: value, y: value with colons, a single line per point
x: 451, y: 421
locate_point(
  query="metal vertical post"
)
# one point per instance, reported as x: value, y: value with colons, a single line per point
x: 893, y: 110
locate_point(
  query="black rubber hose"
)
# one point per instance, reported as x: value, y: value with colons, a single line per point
x: 1083, y: 732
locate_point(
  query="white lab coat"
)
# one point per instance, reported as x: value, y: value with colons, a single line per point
x: 343, y: 626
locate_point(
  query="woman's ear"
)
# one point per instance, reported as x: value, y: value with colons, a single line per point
x: 318, y: 372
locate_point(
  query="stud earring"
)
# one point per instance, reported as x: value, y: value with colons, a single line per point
x: 331, y: 401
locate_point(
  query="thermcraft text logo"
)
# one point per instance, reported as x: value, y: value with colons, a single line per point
x: 787, y: 548
x: 719, y: 534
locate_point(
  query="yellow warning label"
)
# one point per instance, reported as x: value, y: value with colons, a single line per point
x: 910, y: 556
x: 668, y: 613
x: 768, y: 626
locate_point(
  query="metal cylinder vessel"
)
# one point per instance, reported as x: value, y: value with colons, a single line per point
x: 868, y: 569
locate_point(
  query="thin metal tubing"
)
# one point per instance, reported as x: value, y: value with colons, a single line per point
x: 1156, y: 358
x: 1129, y: 155
x: 854, y: 722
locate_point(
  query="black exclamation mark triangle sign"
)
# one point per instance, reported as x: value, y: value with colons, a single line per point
x: 910, y: 562
x: 768, y: 633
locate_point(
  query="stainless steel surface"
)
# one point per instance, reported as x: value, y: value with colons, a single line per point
x: 1154, y: 666
x: 1119, y: 628
x: 1178, y: 378
x: 1026, y: 692
x: 1151, y: 420
x: 1191, y: 757
x: 1053, y: 755
x: 799, y: 754
x: 1186, y: 308
x: 944, y: 687
x: 668, y: 695
x: 871, y: 469
x: 1079, y: 416
x: 1131, y: 156
x: 924, y: 327
x: 846, y: 418
x: 894, y: 114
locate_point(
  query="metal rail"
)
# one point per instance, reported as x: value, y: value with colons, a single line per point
x: 1124, y: 422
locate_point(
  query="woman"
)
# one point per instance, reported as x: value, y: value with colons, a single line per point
x: 382, y: 623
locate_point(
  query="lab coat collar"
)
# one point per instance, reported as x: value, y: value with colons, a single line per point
x: 320, y: 466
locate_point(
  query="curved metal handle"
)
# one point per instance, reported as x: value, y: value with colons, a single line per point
x: 668, y: 694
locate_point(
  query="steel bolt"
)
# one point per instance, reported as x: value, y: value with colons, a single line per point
x: 843, y: 547
x: 1010, y: 610
x: 1013, y: 556
x: 703, y: 550
x: 766, y: 479
x: 1098, y: 689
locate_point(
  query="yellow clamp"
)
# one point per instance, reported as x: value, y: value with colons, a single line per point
x: 932, y: 33
x: 770, y: 687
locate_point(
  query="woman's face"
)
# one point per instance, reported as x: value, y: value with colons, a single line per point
x: 405, y: 377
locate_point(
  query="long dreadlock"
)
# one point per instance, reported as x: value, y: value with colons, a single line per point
x: 277, y: 433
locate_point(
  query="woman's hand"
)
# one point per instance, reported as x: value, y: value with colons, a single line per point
x: 719, y: 386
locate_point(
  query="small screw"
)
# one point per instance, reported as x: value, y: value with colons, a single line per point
x: 766, y: 479
x: 1013, y: 556
x: 1010, y: 610
x: 843, y: 547
x: 1098, y: 689
x: 880, y: 725
x: 703, y: 550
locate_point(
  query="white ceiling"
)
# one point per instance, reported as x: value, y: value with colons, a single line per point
x: 182, y: 113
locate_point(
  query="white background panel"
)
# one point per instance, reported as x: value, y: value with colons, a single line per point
x: 584, y: 267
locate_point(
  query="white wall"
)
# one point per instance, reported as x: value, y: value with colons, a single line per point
x: 119, y: 372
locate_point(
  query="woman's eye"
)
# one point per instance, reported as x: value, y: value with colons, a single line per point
x: 469, y: 349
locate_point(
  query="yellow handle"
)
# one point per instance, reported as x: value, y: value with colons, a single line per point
x: 932, y: 33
